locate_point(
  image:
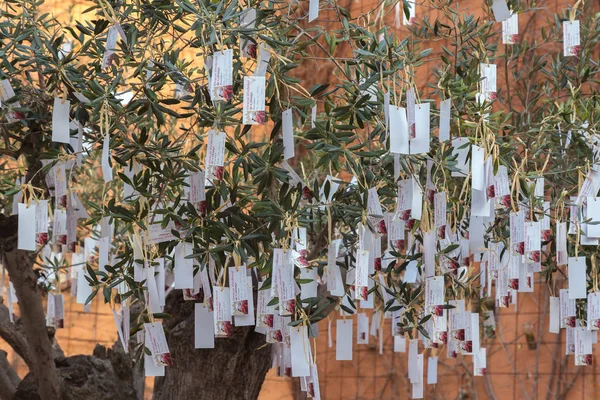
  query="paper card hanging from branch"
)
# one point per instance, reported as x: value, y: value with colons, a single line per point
x: 26, y: 234
x: 422, y: 129
x: 60, y: 121
x: 568, y: 309
x: 222, y: 75
x: 247, y: 319
x: 287, y: 124
x: 111, y: 45
x: 571, y: 38
x: 313, y: 10
x: 300, y: 351
x: 399, y: 134
x: 500, y: 10
x: 254, y: 100
x: 510, y: 30
x: 222, y: 304
x: 444, y: 127
x: 238, y: 288
x: 248, y: 47
x: 343, y: 349
x: 156, y: 342
x: 577, y: 278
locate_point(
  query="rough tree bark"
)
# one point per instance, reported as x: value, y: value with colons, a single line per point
x: 234, y: 369
x: 19, y: 265
x: 108, y: 374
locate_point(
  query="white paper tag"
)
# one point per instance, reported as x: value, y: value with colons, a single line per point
x: 420, y: 143
x: 313, y: 10
x: 254, y: 100
x: 156, y: 342
x: 554, y: 324
x: 593, y: 311
x: 500, y: 10
x: 568, y: 309
x: 215, y: 149
x: 300, y: 351
x: 362, y: 330
x: 60, y: 121
x: 488, y: 82
x: 444, y: 131
x: 571, y: 38
x: 184, y: 267
x: 510, y: 30
x: 204, y: 334
x: 222, y: 76
x: 288, y: 134
x: 432, y: 370
x: 577, y: 278
x: 398, y: 131
x: 238, y: 288
x: 106, y: 168
x: 222, y: 312
x: 343, y: 345
x: 26, y: 239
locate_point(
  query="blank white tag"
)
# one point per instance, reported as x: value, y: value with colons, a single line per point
x: 418, y: 386
x: 106, y: 168
x: 410, y: 276
x: 413, y: 359
x: 60, y: 121
x: 287, y: 126
x: 478, y: 168
x: 150, y: 369
x: 398, y: 130
x: 444, y: 132
x: 300, y: 351
x: 343, y: 345
x: 27, y: 226
x: 313, y: 10
x: 577, y: 279
x: 593, y: 213
x: 554, y: 326
x: 420, y: 144
x: 84, y: 290
x: 184, y: 267
x: 308, y: 290
x: 399, y: 344
x: 204, y: 334
x: 500, y: 10
x: 432, y: 370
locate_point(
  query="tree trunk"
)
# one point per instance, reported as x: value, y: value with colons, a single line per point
x: 234, y: 369
x: 19, y: 264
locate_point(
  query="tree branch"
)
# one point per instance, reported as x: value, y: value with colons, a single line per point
x: 12, y: 334
x: 19, y: 265
x: 8, y: 369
